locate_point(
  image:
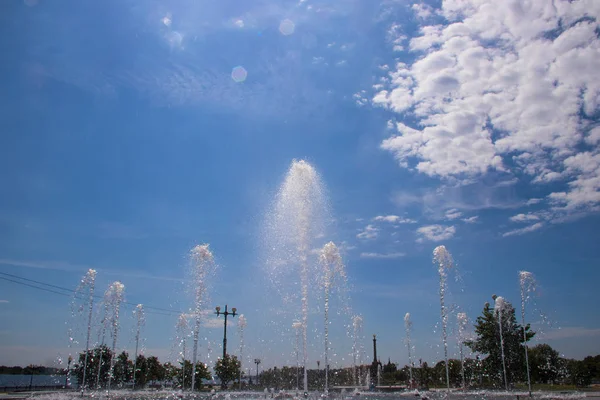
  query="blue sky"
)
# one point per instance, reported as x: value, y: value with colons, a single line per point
x: 125, y: 141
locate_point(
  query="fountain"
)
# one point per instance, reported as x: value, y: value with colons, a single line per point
x: 241, y: 326
x: 462, y: 326
x: 202, y: 266
x: 499, y: 307
x: 297, y: 326
x: 113, y: 297
x: 443, y: 259
x: 357, y: 325
x: 140, y: 319
x: 296, y: 220
x: 527, y: 284
x: 408, y: 327
x: 103, y: 324
x: 86, y: 289
x: 332, y: 268
x: 182, y: 332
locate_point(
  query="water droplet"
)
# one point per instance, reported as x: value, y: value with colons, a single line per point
x: 239, y: 74
x: 287, y: 27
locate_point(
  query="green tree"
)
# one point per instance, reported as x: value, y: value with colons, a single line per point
x: 388, y: 375
x: 593, y: 365
x: 98, y: 359
x: 141, y: 371
x: 579, y: 373
x: 424, y: 375
x: 487, y: 343
x: 185, y: 380
x: 439, y: 373
x: 170, y: 372
x: 123, y: 370
x: 544, y: 364
x: 156, y: 372
x: 227, y: 369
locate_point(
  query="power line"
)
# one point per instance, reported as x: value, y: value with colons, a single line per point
x: 35, y: 287
x: 73, y: 293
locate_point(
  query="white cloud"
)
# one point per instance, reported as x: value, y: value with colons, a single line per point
x: 394, y: 219
x: 382, y: 255
x: 524, y: 217
x: 4, y: 301
x: 471, y: 220
x: 396, y: 38
x: 453, y: 214
x: 584, y: 190
x: 503, y: 86
x: 435, y: 233
x: 422, y: 10
x: 522, y: 231
x: 593, y: 136
x: 370, y: 232
x: 214, y: 322
x: 533, y: 201
x: 570, y: 332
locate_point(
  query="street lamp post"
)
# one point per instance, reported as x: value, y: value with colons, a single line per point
x: 225, y: 313
x: 257, y: 361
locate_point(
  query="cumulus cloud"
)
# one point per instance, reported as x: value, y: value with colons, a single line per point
x: 435, y: 233
x: 422, y: 10
x: 524, y: 217
x: 503, y: 86
x: 370, y: 232
x: 394, y: 219
x: 453, y: 214
x: 522, y: 231
x: 382, y: 255
x: 471, y: 220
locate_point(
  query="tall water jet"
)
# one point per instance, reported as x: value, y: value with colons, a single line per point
x: 333, y: 269
x: 462, y: 327
x: 499, y: 307
x: 203, y: 266
x: 182, y: 332
x: 114, y: 297
x: 443, y: 259
x: 357, y: 321
x: 297, y: 218
x: 297, y: 326
x: 140, y: 321
x: 527, y: 283
x: 241, y: 326
x: 408, y: 327
x: 88, y: 284
x: 103, y: 325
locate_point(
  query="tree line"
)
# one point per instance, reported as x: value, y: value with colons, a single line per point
x: 149, y: 371
x: 483, y: 371
x: 30, y: 370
